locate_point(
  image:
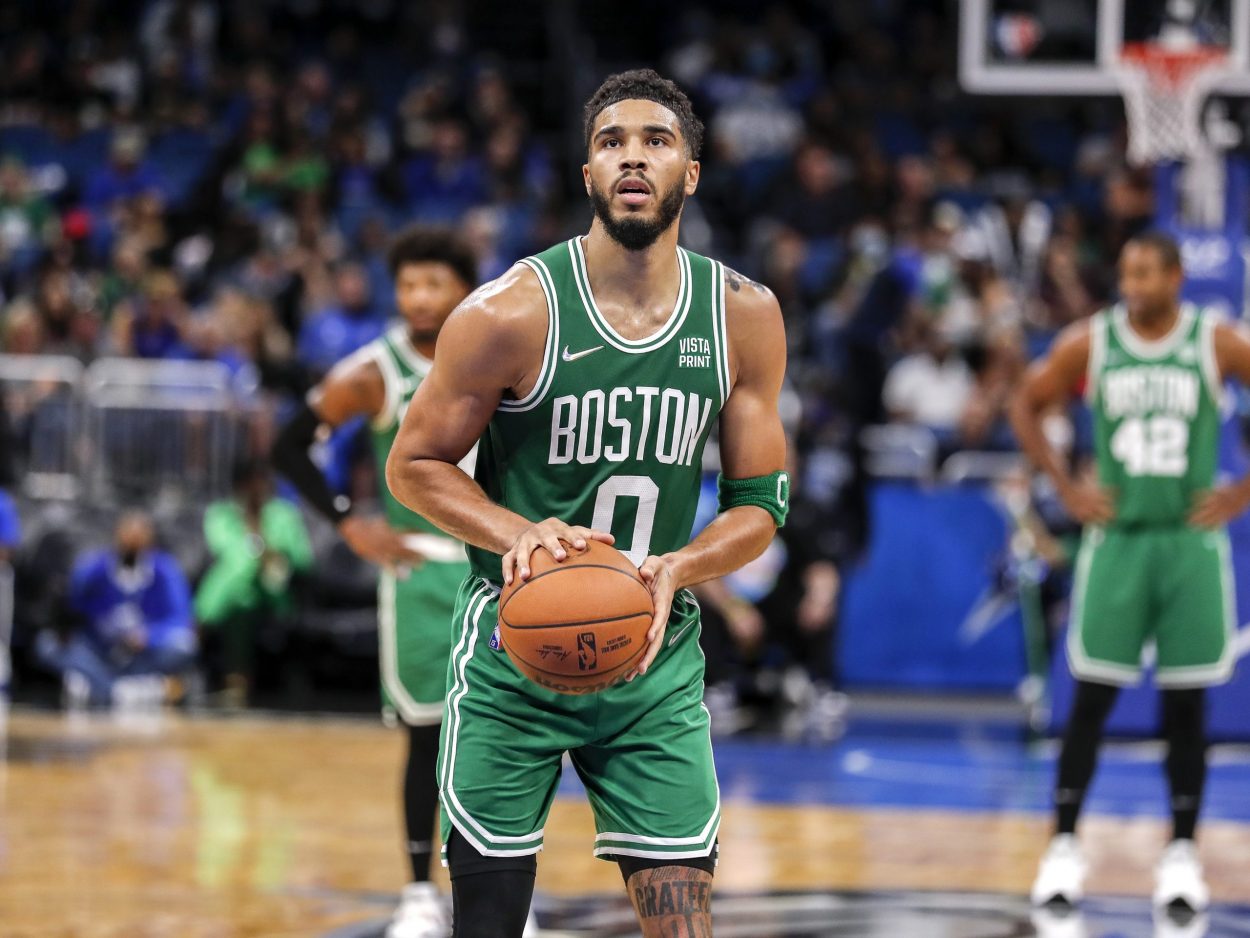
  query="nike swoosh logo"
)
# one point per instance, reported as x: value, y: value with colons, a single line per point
x: 574, y: 356
x: 680, y: 634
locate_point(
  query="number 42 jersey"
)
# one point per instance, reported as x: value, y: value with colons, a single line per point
x: 1156, y: 408
x: 612, y: 434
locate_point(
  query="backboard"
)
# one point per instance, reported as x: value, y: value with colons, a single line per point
x: 1072, y: 47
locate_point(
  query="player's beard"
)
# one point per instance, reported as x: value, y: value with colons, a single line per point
x: 419, y: 336
x: 634, y: 233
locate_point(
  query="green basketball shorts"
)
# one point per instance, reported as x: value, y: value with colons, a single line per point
x: 414, y: 640
x: 1172, y: 586
x: 642, y: 749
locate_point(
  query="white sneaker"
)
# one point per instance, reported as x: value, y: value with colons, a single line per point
x: 1051, y: 923
x: 1178, y: 877
x: 1061, y: 875
x: 422, y: 913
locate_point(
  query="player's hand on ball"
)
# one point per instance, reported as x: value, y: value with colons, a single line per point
x: 1088, y: 502
x: 552, y: 535
x: 1216, y: 507
x: 657, y: 573
x: 374, y: 540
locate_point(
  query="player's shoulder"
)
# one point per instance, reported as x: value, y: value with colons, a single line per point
x: 745, y: 296
x: 751, y: 309
x: 362, y: 365
x: 512, y: 302
x: 1074, y: 338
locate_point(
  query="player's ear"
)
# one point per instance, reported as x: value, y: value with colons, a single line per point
x: 692, y: 176
x: 586, y: 176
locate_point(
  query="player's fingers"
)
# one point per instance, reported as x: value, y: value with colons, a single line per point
x: 554, y: 545
x: 604, y: 537
x: 652, y: 651
x: 524, y: 550
x: 508, y: 562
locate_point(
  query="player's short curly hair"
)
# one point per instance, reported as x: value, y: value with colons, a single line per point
x: 1163, y: 243
x: 645, y: 84
x: 437, y: 244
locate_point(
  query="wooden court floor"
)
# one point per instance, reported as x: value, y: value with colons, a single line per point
x: 222, y: 828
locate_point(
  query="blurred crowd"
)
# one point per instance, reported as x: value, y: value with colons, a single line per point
x: 189, y: 180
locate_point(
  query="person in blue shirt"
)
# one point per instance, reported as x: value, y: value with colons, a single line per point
x: 135, y: 608
x: 337, y: 329
x: 10, y: 537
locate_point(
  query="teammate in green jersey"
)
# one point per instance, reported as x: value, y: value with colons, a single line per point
x: 421, y: 567
x: 596, y: 371
x: 1153, y: 566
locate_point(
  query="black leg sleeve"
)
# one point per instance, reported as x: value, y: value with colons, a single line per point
x: 421, y: 797
x: 1184, y: 726
x: 490, y: 895
x: 1090, y: 710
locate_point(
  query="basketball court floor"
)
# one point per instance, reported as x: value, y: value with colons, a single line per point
x: 911, y: 824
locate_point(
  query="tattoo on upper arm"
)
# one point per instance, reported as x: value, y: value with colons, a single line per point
x: 735, y: 281
x: 673, y: 901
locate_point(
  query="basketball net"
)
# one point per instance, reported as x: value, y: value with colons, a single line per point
x: 1164, y: 90
x: 1165, y: 87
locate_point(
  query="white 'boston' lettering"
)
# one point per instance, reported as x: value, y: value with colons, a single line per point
x: 667, y: 445
x: 646, y: 395
x: 695, y: 423
x: 562, y: 433
x: 1136, y: 391
x: 590, y: 441
x: 618, y: 421
x: 578, y: 426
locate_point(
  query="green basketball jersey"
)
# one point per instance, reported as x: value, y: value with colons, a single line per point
x: 612, y: 434
x: 403, y: 368
x: 1156, y: 407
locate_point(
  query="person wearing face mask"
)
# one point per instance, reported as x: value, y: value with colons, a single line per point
x: 131, y: 607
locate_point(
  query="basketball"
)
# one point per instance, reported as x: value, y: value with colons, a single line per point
x: 578, y: 626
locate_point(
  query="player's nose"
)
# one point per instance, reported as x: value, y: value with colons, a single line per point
x: 633, y: 156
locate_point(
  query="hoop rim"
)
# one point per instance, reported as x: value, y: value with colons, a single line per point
x: 1175, y: 69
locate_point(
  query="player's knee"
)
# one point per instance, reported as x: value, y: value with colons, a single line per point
x: 1093, y: 702
x: 1184, y: 713
x: 490, y: 895
x: 671, y: 896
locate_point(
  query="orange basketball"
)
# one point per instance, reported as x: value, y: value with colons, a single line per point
x: 579, y: 626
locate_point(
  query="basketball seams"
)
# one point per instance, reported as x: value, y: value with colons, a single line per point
x: 571, y: 625
x: 581, y: 566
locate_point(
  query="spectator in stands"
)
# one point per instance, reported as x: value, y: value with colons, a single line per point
x: 23, y: 330
x: 132, y: 607
x: 448, y: 180
x: 126, y: 176
x: 348, y: 320
x: 67, y: 323
x: 154, y: 324
x: 1065, y: 294
x: 932, y: 386
x: 27, y: 221
x: 778, y: 614
x: 10, y: 537
x: 123, y: 281
x: 259, y: 545
x: 814, y: 198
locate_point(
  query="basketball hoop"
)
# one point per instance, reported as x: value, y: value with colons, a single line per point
x: 1164, y: 91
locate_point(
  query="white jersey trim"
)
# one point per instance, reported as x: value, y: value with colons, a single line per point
x: 547, y: 372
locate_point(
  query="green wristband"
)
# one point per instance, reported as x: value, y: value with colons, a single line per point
x: 770, y: 492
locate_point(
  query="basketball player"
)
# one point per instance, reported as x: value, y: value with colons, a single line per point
x: 1153, y: 565
x: 422, y: 568
x: 596, y: 370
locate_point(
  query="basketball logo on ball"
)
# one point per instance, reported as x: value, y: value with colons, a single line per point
x: 579, y: 626
x: 586, y: 651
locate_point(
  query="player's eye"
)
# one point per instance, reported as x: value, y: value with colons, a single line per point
x: 611, y: 142
x: 657, y: 141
